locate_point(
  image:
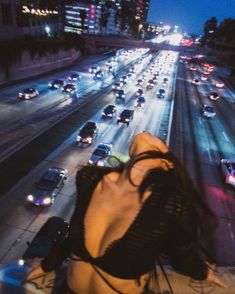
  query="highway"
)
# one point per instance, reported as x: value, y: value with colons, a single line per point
x: 41, y: 133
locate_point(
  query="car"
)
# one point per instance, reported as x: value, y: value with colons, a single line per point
x: 117, y: 86
x: 120, y: 95
x: 195, y: 81
x: 165, y: 80
x: 100, y: 154
x: 139, y: 82
x: 129, y: 76
x: 123, y: 79
x: 56, y: 84
x: 140, y: 102
x: 48, y: 187
x: 69, y: 88
x: 88, y: 133
x: 206, y: 72
x: 94, y: 69
x: 204, y: 77
x: 74, y: 77
x: 109, y: 111
x: 98, y: 74
x: 28, y: 93
x: 161, y: 93
x: 150, y: 84
x: 52, y: 232
x: 126, y: 116
x: 193, y: 68
x: 219, y: 84
x: 228, y: 170
x: 213, y: 96
x: 139, y: 92
x: 155, y: 79
x: 208, y: 111
x: 132, y: 70
x: 110, y: 68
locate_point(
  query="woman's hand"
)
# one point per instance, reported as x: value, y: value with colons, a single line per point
x: 212, y: 277
x: 36, y: 271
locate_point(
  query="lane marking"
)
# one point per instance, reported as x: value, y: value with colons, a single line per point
x: 225, y: 136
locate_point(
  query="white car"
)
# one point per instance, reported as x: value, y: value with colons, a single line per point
x: 208, y: 111
x: 228, y: 170
x: 28, y: 93
x: 204, y: 77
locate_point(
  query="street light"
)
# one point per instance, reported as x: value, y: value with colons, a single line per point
x: 139, y: 29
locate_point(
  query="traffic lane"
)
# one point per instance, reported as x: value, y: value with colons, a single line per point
x: 71, y: 157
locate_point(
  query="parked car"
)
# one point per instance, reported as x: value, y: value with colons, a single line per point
x: 69, y: 88
x: 109, y: 111
x: 87, y: 134
x: 56, y: 84
x: 28, y: 93
x: 48, y: 187
x: 100, y: 154
x: 126, y: 116
x: 208, y: 111
x: 213, y: 96
x: 52, y: 232
x: 228, y: 170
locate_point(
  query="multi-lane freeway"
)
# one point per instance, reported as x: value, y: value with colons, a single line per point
x: 42, y: 132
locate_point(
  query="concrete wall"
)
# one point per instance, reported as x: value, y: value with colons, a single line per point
x: 28, y: 67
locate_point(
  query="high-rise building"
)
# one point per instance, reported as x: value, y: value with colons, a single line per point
x: 142, y: 7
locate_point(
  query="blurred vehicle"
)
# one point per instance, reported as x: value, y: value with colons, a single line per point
x: 165, y: 80
x: 117, y: 86
x: 69, y: 88
x: 52, y: 232
x: 98, y: 74
x: 193, y: 68
x: 206, y: 72
x: 120, y: 95
x: 213, y: 96
x: 110, y: 68
x: 132, y: 70
x: 56, y: 84
x: 195, y: 81
x: 155, y: 79
x: 208, y: 111
x: 87, y: 134
x: 123, y: 79
x: 219, y: 84
x: 28, y: 93
x: 140, y: 102
x: 150, y: 84
x: 161, y: 93
x: 204, y: 77
x: 109, y: 111
x: 129, y: 76
x: 100, y: 154
x: 228, y: 170
x: 47, y: 188
x: 74, y: 77
x: 125, y: 116
x: 114, y: 58
x: 139, y: 92
x: 139, y: 82
x: 94, y: 69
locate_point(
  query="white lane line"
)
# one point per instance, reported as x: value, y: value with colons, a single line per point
x: 200, y: 121
x: 225, y: 136
x: 209, y: 154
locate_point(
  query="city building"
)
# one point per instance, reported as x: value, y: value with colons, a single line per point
x: 27, y: 17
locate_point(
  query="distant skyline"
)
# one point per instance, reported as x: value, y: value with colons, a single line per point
x: 190, y: 16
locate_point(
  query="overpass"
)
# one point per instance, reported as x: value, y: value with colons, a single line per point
x: 95, y: 44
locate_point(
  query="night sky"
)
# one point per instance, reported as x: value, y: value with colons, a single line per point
x: 190, y: 16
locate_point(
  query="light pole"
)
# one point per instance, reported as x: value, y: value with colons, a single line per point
x: 139, y: 30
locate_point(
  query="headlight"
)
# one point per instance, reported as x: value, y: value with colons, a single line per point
x: 89, y: 139
x: 127, y: 119
x: 100, y: 163
x: 21, y: 262
x: 103, y: 113
x: 109, y: 114
x: 231, y: 180
x: 47, y: 201
x: 123, y: 96
x: 90, y: 161
x: 30, y: 198
x: 78, y: 138
x: 20, y: 94
x: 50, y: 84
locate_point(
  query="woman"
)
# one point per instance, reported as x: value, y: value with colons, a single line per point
x: 126, y: 218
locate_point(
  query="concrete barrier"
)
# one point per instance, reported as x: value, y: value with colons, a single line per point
x: 31, y: 66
